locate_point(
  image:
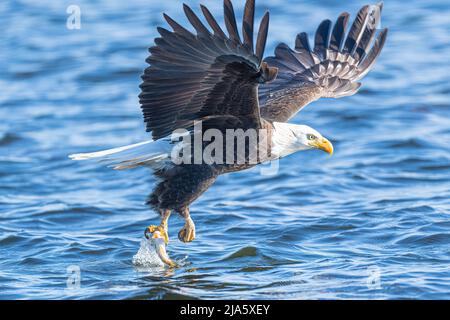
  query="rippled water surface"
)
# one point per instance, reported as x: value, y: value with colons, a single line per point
x: 370, y: 222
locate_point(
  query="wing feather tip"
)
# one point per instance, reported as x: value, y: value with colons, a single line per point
x: 262, y: 35
x: 230, y: 21
x: 212, y: 22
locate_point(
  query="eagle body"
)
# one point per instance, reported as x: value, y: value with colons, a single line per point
x: 180, y: 185
x: 221, y: 80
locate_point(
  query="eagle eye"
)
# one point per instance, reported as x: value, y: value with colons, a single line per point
x: 312, y: 137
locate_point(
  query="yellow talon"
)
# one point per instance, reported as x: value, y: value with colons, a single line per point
x: 187, y: 233
x: 150, y: 232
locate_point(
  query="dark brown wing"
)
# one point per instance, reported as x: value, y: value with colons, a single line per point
x: 330, y: 69
x: 192, y: 77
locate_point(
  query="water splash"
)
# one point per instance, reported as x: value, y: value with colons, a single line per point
x: 147, y: 255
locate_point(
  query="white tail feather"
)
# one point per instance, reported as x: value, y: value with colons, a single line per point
x: 149, y: 153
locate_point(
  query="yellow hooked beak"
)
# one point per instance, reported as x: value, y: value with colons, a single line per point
x: 324, y: 145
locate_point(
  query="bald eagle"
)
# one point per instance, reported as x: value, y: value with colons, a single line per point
x: 222, y: 82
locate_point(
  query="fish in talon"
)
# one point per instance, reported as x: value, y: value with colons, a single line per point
x: 159, y: 244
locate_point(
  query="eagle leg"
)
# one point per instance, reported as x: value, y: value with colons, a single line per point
x: 162, y: 228
x: 187, y: 233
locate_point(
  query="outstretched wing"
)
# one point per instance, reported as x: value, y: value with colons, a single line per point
x: 331, y: 69
x: 194, y: 77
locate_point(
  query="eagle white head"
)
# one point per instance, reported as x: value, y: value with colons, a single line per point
x: 289, y: 138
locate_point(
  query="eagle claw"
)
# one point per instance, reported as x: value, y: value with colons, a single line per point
x: 162, y: 232
x: 187, y: 233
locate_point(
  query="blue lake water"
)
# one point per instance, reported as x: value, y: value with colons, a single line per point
x: 371, y: 222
